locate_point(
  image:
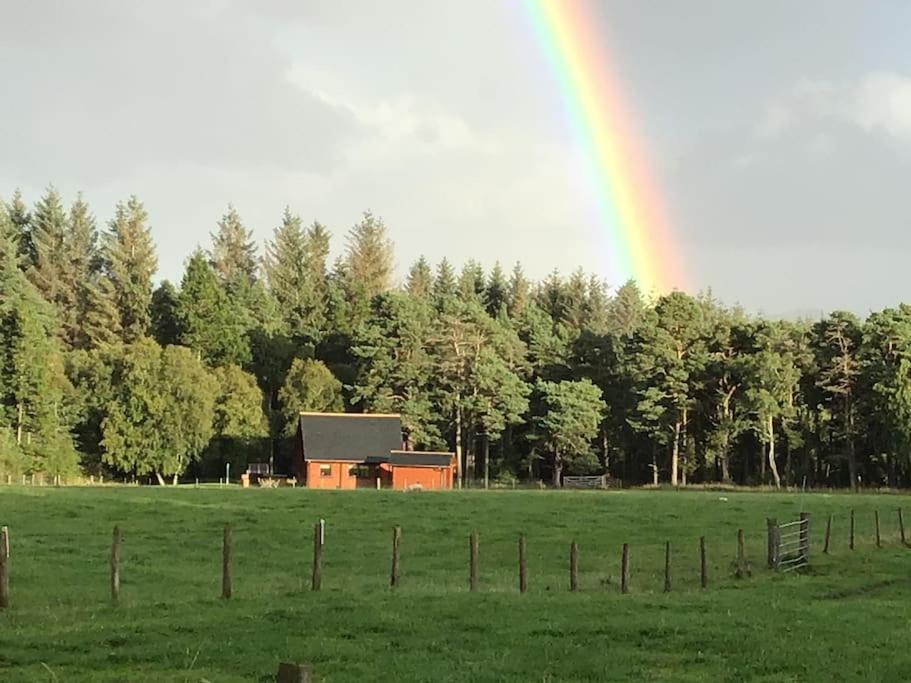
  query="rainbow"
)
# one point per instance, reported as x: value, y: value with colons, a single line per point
x: 630, y: 211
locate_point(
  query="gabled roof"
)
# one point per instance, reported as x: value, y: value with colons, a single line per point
x: 351, y: 437
x: 421, y: 458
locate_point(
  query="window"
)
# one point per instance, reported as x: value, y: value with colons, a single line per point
x: 325, y: 470
x: 359, y: 471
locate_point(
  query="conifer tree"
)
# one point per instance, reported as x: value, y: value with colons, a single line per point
x: 21, y: 219
x: 129, y: 262
x: 233, y: 249
x: 519, y: 291
x: 165, y: 328
x: 48, y: 237
x: 471, y: 283
x: 497, y: 290
x: 420, y: 279
x: 444, y: 284
x: 206, y: 320
x: 369, y: 257
x: 83, y: 263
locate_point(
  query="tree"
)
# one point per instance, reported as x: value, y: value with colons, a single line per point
x: 82, y: 265
x: 22, y: 220
x: 420, y: 279
x: 771, y: 378
x: 444, y: 284
x: 519, y: 291
x: 496, y: 292
x: 837, y: 342
x: 572, y: 413
x: 626, y: 310
x: 369, y: 257
x: 394, y: 368
x: 48, y: 235
x: 308, y: 386
x: 165, y: 326
x: 295, y: 266
x: 159, y: 409
x: 471, y: 283
x: 240, y: 424
x: 233, y: 252
x: 33, y: 386
x: 129, y: 262
x: 206, y: 320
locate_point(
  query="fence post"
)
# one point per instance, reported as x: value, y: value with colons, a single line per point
x: 317, y: 557
x: 851, y: 542
x: 573, y: 567
x: 743, y: 568
x: 523, y: 577
x: 115, y: 566
x: 703, y: 568
x: 825, y: 547
x: 667, y: 567
x: 878, y: 538
x: 805, y: 536
x: 226, y: 563
x: 901, y: 526
x: 396, y: 542
x: 4, y: 567
x: 624, y: 569
x: 774, y: 542
x: 473, y: 561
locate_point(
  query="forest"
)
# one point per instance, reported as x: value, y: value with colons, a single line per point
x: 104, y: 370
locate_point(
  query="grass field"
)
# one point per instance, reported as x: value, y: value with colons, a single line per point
x: 847, y: 618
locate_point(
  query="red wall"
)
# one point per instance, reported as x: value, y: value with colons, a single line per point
x: 339, y: 477
x: 430, y: 478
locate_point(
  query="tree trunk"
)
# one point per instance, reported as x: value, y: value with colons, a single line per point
x: 772, y: 465
x: 174, y: 480
x: 458, y: 442
x: 724, y: 462
x: 558, y: 469
x: 486, y: 461
x: 160, y: 479
x: 849, y: 437
x: 604, y: 451
x: 19, y: 426
x: 675, y: 453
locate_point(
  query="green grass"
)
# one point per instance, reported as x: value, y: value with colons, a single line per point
x: 845, y: 619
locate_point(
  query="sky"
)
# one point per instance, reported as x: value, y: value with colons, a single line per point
x: 778, y: 134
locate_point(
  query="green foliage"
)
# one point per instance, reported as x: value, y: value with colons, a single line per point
x: 308, y: 386
x: 420, y: 280
x: 233, y: 249
x: 240, y: 424
x: 206, y: 319
x: 369, y: 257
x: 128, y: 262
x: 158, y: 411
x: 572, y: 412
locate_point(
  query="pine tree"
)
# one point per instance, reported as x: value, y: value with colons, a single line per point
x: 369, y: 257
x: 471, y: 283
x: 21, y: 219
x: 83, y: 262
x: 444, y: 284
x: 497, y: 290
x: 420, y: 279
x: 8, y: 230
x: 206, y: 320
x: 102, y: 325
x: 129, y: 262
x: 233, y: 249
x: 519, y: 292
x: 165, y: 329
x: 48, y: 237
x: 626, y: 309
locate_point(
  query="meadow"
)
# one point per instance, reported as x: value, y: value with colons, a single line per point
x: 846, y: 618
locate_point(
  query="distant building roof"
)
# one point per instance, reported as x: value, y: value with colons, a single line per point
x: 421, y: 458
x: 353, y: 437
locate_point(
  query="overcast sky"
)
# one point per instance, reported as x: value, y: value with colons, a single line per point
x: 778, y: 132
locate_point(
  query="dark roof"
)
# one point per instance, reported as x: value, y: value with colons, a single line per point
x: 420, y: 458
x: 353, y: 437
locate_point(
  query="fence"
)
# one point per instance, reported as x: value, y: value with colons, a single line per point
x: 788, y: 550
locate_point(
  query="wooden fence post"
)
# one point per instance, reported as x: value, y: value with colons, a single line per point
x: 317, y: 557
x: 774, y: 541
x: 825, y: 547
x: 523, y: 576
x: 743, y: 568
x: 878, y: 538
x: 805, y: 536
x: 573, y: 567
x: 624, y: 569
x: 226, y: 563
x: 473, y: 561
x: 667, y: 567
x: 4, y: 567
x: 901, y: 526
x: 115, y: 566
x: 396, y: 543
x: 703, y: 568
x: 851, y: 542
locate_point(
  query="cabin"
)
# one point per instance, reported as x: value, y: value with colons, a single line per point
x: 365, y: 450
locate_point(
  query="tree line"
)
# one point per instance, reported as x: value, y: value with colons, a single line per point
x: 106, y: 372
